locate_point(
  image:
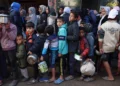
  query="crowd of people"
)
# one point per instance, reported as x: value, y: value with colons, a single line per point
x: 56, y: 37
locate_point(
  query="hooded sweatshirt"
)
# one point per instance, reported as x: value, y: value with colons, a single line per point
x: 15, y: 16
x: 43, y: 15
x: 33, y: 17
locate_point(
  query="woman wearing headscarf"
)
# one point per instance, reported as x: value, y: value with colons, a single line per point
x: 32, y: 16
x: 43, y: 15
x: 104, y: 15
x: 51, y: 18
x: 66, y: 14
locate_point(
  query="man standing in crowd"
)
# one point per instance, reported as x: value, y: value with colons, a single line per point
x: 15, y: 16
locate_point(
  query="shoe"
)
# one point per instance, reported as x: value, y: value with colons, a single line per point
x: 69, y: 78
x: 32, y: 81
x: 58, y: 81
x: 80, y: 79
x: 88, y: 79
x: 25, y: 79
x: 43, y: 80
x: 14, y: 83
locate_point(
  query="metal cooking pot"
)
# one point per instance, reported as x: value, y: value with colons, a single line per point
x: 3, y: 18
x: 32, y: 59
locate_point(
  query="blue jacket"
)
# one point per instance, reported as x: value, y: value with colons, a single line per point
x: 63, y: 45
x: 15, y: 16
x: 51, y: 43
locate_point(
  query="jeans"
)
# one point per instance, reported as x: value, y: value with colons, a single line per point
x: 11, y: 57
x: 53, y: 56
x: 90, y: 39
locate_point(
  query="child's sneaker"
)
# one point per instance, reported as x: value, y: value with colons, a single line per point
x: 14, y: 83
x: 88, y: 79
x: 25, y: 79
x: 32, y: 81
x: 43, y: 80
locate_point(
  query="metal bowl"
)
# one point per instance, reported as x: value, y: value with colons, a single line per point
x: 3, y: 18
x: 32, y: 59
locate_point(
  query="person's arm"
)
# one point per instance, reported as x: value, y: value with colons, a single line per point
x: 86, y: 51
x: 11, y: 32
x: 46, y: 44
x: 75, y: 35
x: 101, y: 34
x: 35, y: 45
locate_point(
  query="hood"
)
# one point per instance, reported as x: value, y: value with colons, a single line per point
x: 32, y: 9
x: 64, y: 26
x: 43, y: 8
x: 67, y: 10
x: 15, y: 6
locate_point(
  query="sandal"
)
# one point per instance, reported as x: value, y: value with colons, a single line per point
x: 50, y: 81
x: 58, y: 81
x: 107, y: 79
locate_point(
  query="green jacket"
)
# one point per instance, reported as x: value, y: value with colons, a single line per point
x: 21, y: 56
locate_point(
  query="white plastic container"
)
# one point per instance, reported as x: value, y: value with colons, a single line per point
x: 42, y: 66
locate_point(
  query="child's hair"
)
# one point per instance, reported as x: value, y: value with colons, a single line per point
x: 75, y: 14
x: 40, y: 28
x: 19, y: 34
x: 30, y: 24
x: 82, y: 28
x: 61, y: 7
x: 61, y: 18
x: 49, y: 29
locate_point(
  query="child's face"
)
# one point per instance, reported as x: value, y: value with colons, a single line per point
x: 19, y: 40
x: 40, y: 10
x: 59, y: 22
x: 29, y: 11
x: 60, y: 10
x: 82, y: 33
x: 47, y: 11
x: 72, y: 17
x: 30, y: 30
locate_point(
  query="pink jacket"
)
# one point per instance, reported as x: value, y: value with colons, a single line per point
x: 7, y: 37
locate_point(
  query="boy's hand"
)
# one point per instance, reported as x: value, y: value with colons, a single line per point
x: 59, y: 55
x: 101, y: 51
x: 29, y: 52
x: 117, y: 46
x: 41, y: 59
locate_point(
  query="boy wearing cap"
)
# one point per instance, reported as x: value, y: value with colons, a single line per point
x: 109, y: 35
